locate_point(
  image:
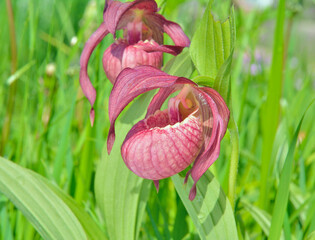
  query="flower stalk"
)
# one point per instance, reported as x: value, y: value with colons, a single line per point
x: 12, y: 89
x: 232, y: 127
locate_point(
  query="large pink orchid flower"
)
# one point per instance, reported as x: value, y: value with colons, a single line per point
x: 143, y: 30
x: 167, y: 141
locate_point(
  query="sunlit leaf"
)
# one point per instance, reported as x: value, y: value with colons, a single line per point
x: 51, y: 217
x: 91, y: 228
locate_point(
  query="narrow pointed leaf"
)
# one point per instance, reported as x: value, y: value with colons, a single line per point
x: 282, y: 196
x: 271, y: 107
x: 50, y: 216
x: 262, y: 218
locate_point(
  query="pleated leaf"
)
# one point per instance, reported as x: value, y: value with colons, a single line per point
x: 211, y: 211
x: 212, y: 43
x: 50, y: 216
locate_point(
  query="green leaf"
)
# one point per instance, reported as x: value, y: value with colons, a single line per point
x: 222, y: 81
x: 282, y: 196
x: 50, y: 216
x: 120, y: 194
x: 204, y: 81
x: 92, y: 230
x: 211, y: 211
x: 212, y: 43
x: 180, y: 65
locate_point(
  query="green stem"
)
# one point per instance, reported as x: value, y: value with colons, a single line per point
x: 12, y: 89
x: 234, y: 159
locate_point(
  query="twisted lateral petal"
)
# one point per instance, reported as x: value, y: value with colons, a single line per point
x: 85, y: 82
x: 155, y: 149
x: 176, y: 33
x: 129, y: 84
x: 222, y: 108
x: 116, y: 16
x: 159, y: 98
x: 154, y: 47
x: 213, y: 130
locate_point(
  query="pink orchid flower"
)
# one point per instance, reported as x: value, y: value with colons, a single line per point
x: 143, y: 30
x: 167, y: 141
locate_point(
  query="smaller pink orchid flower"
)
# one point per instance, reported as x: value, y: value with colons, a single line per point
x: 168, y: 141
x: 143, y: 30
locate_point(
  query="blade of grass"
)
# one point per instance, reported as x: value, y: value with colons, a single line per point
x: 262, y: 218
x: 271, y: 109
x: 283, y: 188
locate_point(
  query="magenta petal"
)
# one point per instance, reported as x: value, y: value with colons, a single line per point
x: 176, y: 33
x: 159, y: 98
x: 120, y: 55
x: 222, y: 108
x: 112, y: 60
x: 149, y: 47
x: 85, y: 82
x: 154, y: 149
x: 129, y: 84
x: 116, y: 12
x: 135, y: 56
x: 156, y: 184
x: 214, y: 129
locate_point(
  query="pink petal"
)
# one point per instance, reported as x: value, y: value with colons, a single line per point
x: 112, y: 59
x: 214, y: 128
x: 158, y: 100
x: 115, y: 12
x: 222, y: 108
x: 159, y: 24
x: 134, y: 56
x: 85, y: 82
x: 153, y: 47
x: 154, y: 149
x: 176, y: 33
x: 156, y: 184
x: 129, y: 84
